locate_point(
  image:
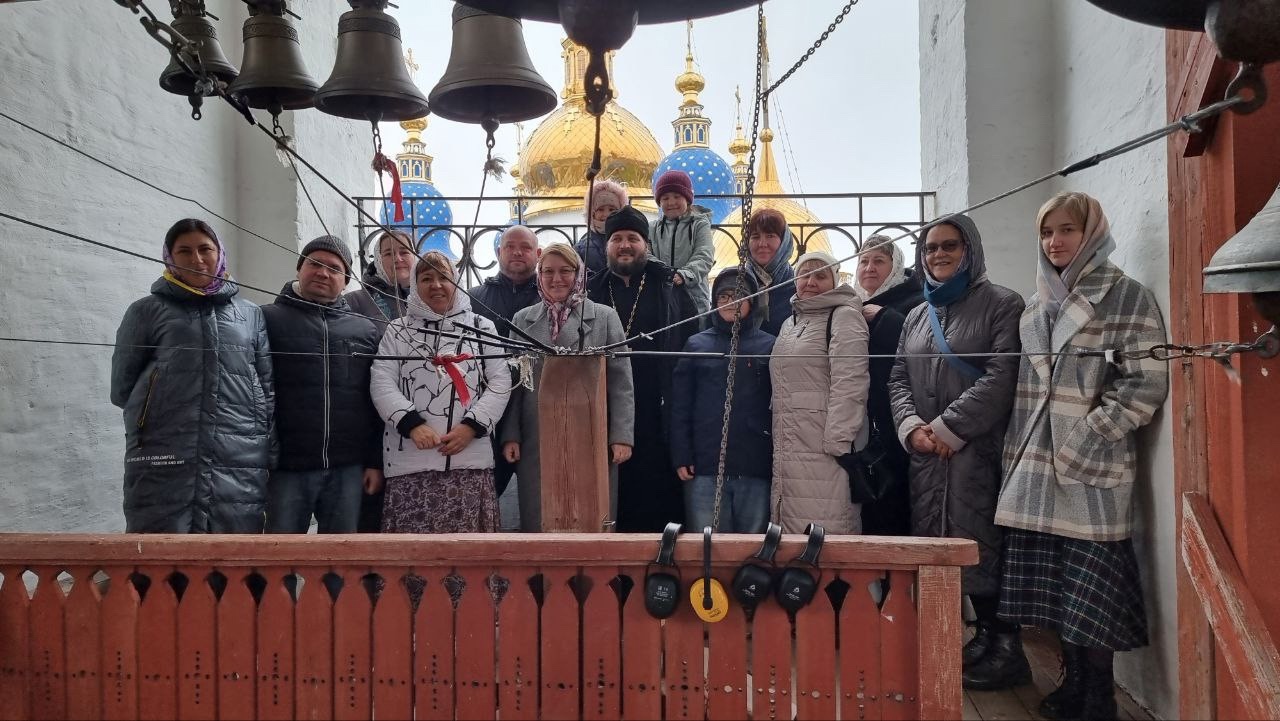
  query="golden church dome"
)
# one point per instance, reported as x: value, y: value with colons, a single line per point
x: 690, y: 82
x: 767, y: 183
x: 555, y: 158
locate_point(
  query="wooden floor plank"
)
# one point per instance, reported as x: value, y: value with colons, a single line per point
x: 969, y: 712
x: 999, y: 705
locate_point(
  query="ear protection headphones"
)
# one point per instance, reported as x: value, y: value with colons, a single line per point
x: 662, y: 587
x: 707, y: 595
x: 754, y: 580
x: 796, y: 585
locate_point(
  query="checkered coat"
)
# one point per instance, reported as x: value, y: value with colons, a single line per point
x: 1069, y: 459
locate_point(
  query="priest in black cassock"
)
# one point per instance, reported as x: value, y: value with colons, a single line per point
x: 642, y: 291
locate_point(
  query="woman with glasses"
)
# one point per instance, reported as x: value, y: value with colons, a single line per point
x: 699, y: 388
x: 566, y: 318
x: 951, y: 403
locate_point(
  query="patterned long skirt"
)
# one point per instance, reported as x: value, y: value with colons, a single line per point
x: 462, y: 500
x: 1088, y: 591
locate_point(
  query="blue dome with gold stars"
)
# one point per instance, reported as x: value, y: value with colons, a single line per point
x: 424, y: 206
x: 711, y: 175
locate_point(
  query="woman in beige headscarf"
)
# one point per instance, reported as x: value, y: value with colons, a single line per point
x: 1070, y: 455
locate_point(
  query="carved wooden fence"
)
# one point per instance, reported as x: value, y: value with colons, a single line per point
x: 463, y: 627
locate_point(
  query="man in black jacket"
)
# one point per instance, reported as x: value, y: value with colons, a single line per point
x: 511, y: 290
x: 330, y: 434
x: 515, y: 286
x: 643, y: 292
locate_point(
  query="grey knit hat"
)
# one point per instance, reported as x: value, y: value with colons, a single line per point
x: 333, y: 245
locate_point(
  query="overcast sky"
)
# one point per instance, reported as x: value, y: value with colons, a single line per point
x: 847, y: 121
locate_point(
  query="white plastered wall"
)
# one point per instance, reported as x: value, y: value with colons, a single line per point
x: 86, y: 72
x: 1013, y: 89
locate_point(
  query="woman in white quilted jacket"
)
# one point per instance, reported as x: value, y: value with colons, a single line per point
x: 436, y: 402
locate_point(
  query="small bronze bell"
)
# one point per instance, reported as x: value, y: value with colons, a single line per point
x: 369, y: 79
x: 490, y: 75
x: 273, y: 75
x: 192, y: 22
x: 1250, y: 261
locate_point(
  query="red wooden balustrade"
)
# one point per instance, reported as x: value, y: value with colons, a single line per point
x: 463, y: 627
x: 1252, y: 660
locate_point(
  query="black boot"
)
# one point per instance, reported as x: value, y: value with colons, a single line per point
x: 1004, y: 666
x: 977, y: 646
x: 1099, y: 686
x: 1067, y: 701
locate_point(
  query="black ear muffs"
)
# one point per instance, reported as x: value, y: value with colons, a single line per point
x: 797, y: 585
x: 754, y: 580
x: 662, y: 578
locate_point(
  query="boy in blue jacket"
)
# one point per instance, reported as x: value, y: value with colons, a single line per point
x: 697, y: 416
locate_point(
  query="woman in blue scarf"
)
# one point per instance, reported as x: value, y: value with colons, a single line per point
x: 951, y: 409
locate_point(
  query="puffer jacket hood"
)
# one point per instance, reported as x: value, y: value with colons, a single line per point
x: 975, y: 258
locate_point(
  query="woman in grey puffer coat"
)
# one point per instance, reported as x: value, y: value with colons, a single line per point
x: 192, y: 371
x: 951, y: 411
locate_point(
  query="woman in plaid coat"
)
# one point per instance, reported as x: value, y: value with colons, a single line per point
x: 1069, y: 458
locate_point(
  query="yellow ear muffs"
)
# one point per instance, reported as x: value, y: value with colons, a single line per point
x: 707, y: 595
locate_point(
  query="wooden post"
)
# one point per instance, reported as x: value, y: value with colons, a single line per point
x: 574, y: 444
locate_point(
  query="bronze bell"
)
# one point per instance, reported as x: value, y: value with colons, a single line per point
x: 273, y: 74
x: 369, y: 79
x: 490, y: 75
x: 1250, y: 261
x: 191, y: 21
x: 649, y: 12
x: 1243, y: 30
x: 1173, y: 14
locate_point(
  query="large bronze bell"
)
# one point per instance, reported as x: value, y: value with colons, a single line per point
x: 1243, y: 30
x: 1250, y: 261
x: 647, y: 13
x: 273, y: 74
x: 1174, y: 14
x: 369, y: 79
x: 193, y: 24
x: 490, y: 76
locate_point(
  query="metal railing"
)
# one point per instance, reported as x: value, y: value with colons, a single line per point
x: 857, y: 216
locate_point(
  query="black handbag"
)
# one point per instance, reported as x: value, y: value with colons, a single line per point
x: 870, y: 477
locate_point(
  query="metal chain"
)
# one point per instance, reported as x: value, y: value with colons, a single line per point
x: 813, y: 48
x: 735, y: 333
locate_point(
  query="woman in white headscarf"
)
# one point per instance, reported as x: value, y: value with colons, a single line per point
x: 1070, y: 455
x: 889, y: 291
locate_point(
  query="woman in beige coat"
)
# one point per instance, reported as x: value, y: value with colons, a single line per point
x: 820, y: 380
